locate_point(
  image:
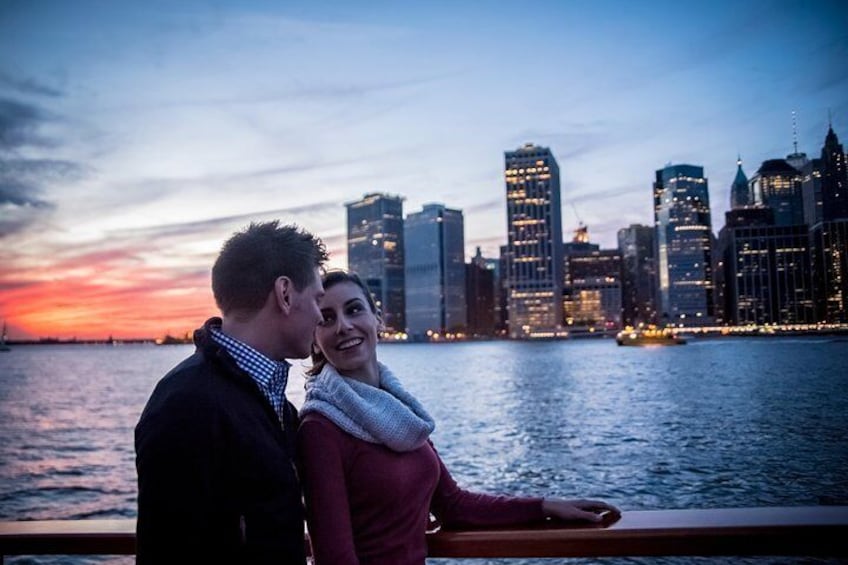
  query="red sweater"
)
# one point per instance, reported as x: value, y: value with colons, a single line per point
x: 367, y: 504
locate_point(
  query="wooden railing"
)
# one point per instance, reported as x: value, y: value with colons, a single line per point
x: 809, y: 531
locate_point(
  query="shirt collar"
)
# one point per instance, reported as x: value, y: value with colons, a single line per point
x: 266, y: 372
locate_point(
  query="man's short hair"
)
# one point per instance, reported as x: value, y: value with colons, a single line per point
x: 252, y: 259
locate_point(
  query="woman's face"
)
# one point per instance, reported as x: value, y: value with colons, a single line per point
x: 347, y: 335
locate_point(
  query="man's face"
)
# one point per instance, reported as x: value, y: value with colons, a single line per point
x: 304, y: 317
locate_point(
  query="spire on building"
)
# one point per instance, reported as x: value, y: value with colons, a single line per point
x: 740, y: 195
x: 796, y: 159
x: 794, y: 133
x: 830, y: 139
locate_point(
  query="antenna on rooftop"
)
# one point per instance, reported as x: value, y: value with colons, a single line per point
x: 794, y: 133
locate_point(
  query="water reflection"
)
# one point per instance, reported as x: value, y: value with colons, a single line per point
x: 723, y: 423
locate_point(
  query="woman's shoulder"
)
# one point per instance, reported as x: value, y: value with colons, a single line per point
x: 314, y: 419
x: 315, y: 424
x: 318, y: 434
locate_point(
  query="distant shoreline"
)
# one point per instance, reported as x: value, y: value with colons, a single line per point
x: 693, y: 332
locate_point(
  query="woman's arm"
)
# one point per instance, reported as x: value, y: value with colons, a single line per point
x: 321, y: 466
x: 455, y: 507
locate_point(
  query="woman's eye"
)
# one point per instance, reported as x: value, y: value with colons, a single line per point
x: 326, y: 320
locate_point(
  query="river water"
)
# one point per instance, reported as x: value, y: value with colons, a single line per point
x: 730, y: 422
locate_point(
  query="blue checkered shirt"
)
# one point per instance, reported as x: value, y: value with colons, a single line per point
x: 270, y: 376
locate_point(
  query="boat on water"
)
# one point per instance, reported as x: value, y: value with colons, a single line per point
x: 649, y: 336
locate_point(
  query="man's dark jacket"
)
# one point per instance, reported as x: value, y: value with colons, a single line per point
x: 216, y: 483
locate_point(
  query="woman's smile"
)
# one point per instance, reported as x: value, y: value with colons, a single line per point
x: 348, y: 343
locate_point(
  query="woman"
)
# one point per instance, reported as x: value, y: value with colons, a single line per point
x: 371, y: 477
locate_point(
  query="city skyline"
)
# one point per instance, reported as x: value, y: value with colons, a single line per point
x: 137, y: 137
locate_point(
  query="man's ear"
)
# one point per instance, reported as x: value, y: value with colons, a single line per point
x: 283, y: 288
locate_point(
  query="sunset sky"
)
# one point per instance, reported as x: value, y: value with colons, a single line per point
x: 136, y: 136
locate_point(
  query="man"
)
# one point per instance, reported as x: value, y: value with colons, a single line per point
x: 214, y: 445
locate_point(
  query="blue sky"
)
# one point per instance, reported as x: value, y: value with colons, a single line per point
x: 136, y: 136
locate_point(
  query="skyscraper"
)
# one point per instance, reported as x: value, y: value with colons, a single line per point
x: 811, y: 192
x: 638, y: 282
x: 762, y: 272
x: 435, y: 271
x: 777, y: 185
x: 502, y: 293
x: 480, y: 295
x: 834, y: 179
x: 684, y: 246
x: 592, y: 296
x: 375, y: 251
x: 829, y: 237
x: 534, y: 242
x: 766, y: 271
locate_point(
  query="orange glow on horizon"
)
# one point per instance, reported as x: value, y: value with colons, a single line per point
x: 139, y: 305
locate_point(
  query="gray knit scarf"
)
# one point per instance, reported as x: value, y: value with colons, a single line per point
x: 388, y: 415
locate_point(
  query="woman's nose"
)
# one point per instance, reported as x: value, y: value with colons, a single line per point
x: 342, y: 324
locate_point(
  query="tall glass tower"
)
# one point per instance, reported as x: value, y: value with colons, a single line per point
x: 684, y: 246
x: 638, y: 285
x: 830, y: 236
x: 534, y: 243
x: 435, y: 271
x: 375, y: 253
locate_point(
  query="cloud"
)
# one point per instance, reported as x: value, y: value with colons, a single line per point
x: 483, y: 207
x: 323, y: 92
x: 217, y: 224
x: 832, y: 71
x: 494, y: 242
x: 592, y: 195
x: 19, y: 123
x: 23, y: 180
x: 26, y: 85
x: 37, y: 171
x: 21, y: 183
x: 582, y: 138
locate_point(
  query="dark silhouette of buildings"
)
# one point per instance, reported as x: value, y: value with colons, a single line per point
x: 829, y: 237
x: 502, y: 293
x: 480, y: 293
x: 834, y: 182
x: 763, y: 270
x: 638, y: 274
